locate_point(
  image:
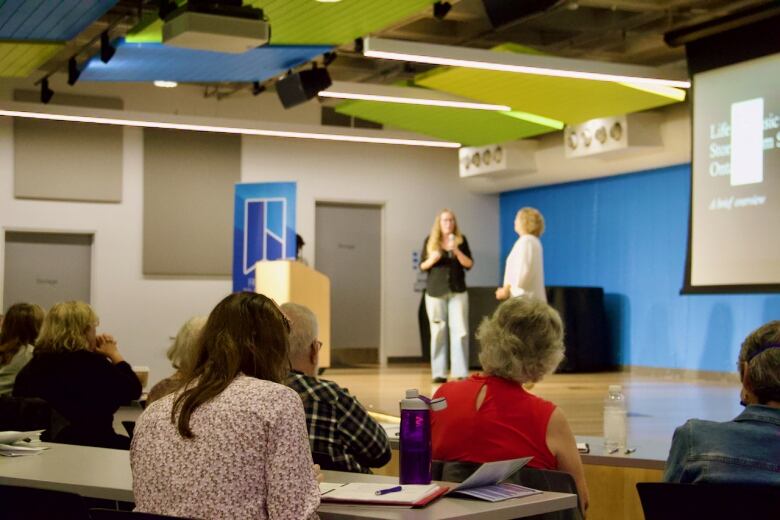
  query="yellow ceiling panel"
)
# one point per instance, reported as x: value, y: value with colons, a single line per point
x: 566, y: 99
x: 20, y: 59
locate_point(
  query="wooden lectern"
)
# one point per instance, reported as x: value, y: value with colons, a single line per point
x: 292, y: 281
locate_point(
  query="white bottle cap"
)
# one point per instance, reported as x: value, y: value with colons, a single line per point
x: 615, y: 388
x: 412, y: 393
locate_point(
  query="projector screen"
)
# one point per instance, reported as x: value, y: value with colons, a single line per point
x: 735, y: 197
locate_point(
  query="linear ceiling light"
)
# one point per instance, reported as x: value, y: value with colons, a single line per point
x: 228, y: 129
x: 518, y: 63
x: 404, y: 95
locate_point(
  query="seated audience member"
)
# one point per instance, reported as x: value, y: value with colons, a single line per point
x: 342, y: 435
x: 746, y: 449
x: 81, y: 374
x: 17, y: 335
x: 490, y: 416
x: 231, y: 441
x: 179, y: 353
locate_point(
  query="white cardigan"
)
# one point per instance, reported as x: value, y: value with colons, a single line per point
x: 524, y: 271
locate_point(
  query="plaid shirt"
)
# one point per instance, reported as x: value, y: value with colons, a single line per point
x: 342, y: 435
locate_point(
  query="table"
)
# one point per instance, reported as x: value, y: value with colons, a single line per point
x: 104, y: 473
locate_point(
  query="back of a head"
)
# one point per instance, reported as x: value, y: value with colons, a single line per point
x: 303, y: 327
x: 21, y: 326
x: 182, y: 349
x: 760, y: 359
x: 531, y: 221
x: 246, y: 333
x: 65, y: 328
x: 522, y: 340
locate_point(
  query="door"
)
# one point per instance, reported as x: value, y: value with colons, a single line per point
x: 46, y: 268
x: 348, y: 250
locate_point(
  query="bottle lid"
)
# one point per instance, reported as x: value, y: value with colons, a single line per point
x: 440, y: 403
x: 412, y: 393
x: 615, y: 388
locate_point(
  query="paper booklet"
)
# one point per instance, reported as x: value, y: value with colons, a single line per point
x: 485, y: 483
x: 365, y: 493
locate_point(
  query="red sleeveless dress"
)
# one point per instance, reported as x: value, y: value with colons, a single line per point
x: 511, y: 423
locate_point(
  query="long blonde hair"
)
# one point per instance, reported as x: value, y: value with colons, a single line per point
x: 65, y: 328
x: 435, y: 238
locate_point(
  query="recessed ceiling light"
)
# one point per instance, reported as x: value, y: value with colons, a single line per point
x: 165, y: 84
x: 328, y: 1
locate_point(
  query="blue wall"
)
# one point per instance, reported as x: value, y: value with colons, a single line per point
x: 628, y: 235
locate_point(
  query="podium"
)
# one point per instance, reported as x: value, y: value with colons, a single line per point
x: 292, y: 281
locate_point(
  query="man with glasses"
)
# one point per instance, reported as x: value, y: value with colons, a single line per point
x: 342, y: 435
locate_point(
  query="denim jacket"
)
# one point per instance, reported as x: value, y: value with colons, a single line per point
x: 744, y: 450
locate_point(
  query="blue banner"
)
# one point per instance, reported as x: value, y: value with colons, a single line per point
x: 263, y: 229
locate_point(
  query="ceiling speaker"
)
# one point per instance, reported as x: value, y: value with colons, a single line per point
x: 300, y: 87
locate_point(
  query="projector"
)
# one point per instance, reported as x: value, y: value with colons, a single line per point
x: 216, y: 31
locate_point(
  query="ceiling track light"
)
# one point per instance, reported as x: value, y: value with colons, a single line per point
x: 46, y: 92
x: 440, y: 10
x: 257, y: 88
x: 73, y: 71
x: 107, y: 50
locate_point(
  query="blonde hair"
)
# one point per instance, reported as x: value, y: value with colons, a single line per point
x: 531, y: 221
x: 303, y: 327
x: 522, y: 341
x: 181, y: 351
x: 65, y: 328
x: 759, y: 362
x: 435, y: 238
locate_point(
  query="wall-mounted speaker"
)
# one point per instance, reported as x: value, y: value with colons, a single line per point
x: 300, y: 87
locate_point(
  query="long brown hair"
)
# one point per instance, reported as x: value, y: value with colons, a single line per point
x: 246, y: 333
x: 20, y: 327
x: 435, y: 238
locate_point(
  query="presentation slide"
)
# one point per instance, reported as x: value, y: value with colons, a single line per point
x: 736, y: 175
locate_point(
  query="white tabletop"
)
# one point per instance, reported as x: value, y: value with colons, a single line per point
x: 105, y: 473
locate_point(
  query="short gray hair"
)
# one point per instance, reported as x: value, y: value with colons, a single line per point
x: 303, y: 327
x: 522, y: 341
x: 182, y: 350
x: 760, y: 357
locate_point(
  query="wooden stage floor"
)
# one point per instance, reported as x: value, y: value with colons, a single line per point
x: 656, y: 405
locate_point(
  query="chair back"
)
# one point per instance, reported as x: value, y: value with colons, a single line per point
x: 30, y: 413
x: 542, y: 479
x: 24, y: 503
x: 673, y: 501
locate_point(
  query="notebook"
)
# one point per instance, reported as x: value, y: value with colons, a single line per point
x: 365, y: 493
x: 485, y: 483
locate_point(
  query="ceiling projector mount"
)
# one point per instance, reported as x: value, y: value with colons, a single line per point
x: 215, y: 25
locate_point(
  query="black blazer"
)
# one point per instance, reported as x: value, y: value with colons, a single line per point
x: 446, y: 275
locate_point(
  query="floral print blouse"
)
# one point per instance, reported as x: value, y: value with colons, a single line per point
x: 249, y: 457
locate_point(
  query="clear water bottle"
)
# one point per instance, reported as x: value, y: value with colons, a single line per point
x: 615, y: 419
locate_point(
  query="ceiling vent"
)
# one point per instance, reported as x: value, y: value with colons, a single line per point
x: 498, y: 160
x: 216, y: 26
x: 611, y: 135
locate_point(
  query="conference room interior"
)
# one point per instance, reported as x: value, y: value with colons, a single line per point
x: 121, y: 193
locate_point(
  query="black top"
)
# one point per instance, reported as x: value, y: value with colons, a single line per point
x: 447, y: 275
x: 86, y: 388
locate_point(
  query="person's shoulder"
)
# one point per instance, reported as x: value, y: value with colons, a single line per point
x: 324, y: 389
x: 254, y: 388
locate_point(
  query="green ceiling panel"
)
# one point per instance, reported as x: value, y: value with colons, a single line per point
x: 465, y: 126
x: 19, y: 60
x: 303, y: 22
x: 566, y: 99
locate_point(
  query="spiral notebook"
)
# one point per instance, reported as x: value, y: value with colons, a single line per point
x: 365, y: 493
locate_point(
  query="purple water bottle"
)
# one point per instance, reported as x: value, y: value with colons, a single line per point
x: 415, y: 437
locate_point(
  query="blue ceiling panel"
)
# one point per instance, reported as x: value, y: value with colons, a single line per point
x: 155, y: 61
x: 49, y: 20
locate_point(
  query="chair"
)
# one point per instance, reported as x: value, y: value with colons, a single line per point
x: 673, y: 501
x: 542, y: 479
x: 23, y: 503
x: 114, y: 514
x: 30, y: 413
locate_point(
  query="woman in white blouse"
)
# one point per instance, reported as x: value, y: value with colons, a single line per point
x: 524, y: 272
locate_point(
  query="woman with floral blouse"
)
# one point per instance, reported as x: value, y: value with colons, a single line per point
x: 231, y: 442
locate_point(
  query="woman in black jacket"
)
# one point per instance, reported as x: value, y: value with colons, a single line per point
x: 81, y: 374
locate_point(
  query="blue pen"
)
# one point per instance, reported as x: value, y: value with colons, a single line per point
x: 389, y: 490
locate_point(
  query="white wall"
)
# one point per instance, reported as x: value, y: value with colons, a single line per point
x: 143, y: 312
